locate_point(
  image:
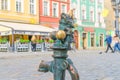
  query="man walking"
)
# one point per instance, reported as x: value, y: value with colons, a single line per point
x: 109, y: 41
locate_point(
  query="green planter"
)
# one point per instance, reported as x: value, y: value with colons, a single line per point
x: 24, y: 41
x: 3, y: 41
x: 40, y: 41
x: 51, y: 41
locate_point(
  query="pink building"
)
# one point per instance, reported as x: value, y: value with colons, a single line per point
x: 50, y: 11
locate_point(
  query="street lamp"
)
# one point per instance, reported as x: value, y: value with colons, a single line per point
x: 115, y: 4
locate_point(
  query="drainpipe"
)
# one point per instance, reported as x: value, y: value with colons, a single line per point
x: 117, y: 17
x: 12, y: 35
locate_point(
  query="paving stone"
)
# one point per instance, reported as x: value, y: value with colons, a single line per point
x: 90, y: 64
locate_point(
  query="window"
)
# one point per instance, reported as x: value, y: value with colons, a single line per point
x: 32, y: 7
x: 91, y: 0
x: 63, y: 9
x: 100, y: 1
x: 83, y: 14
x: 45, y: 10
x: 92, y: 40
x: 4, y: 4
x: 64, y: 0
x: 19, y: 6
x: 55, y: 9
x: 101, y: 40
x: 99, y: 17
x: 91, y: 16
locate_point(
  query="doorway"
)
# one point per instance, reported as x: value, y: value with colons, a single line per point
x: 101, y: 40
x: 92, y: 39
x: 30, y: 36
x: 76, y: 38
x: 84, y: 39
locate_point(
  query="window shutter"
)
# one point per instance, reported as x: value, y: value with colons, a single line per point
x: 57, y: 10
x: 35, y: 7
x: 48, y: 7
x: 93, y: 16
x: 0, y: 4
x: 29, y: 7
x: 22, y: 6
x: 9, y: 5
x: 100, y: 18
x: 85, y: 15
x: 65, y: 8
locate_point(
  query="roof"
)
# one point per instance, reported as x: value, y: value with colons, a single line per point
x: 20, y: 28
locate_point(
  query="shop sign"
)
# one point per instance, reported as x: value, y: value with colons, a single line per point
x: 44, y: 33
x: 19, y: 32
x: 89, y: 29
x: 5, y: 33
x: 31, y: 33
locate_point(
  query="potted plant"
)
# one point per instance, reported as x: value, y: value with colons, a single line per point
x: 51, y: 41
x: 24, y: 41
x: 40, y: 41
x: 3, y: 41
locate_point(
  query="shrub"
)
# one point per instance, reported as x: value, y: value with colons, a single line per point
x: 3, y: 40
x: 24, y: 41
x: 40, y: 41
x: 51, y: 41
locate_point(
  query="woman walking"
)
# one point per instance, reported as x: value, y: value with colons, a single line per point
x: 117, y: 42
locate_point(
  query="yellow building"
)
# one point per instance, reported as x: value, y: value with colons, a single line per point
x: 22, y: 18
x: 110, y: 18
x: 25, y: 11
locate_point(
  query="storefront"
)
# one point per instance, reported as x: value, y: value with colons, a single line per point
x: 77, y: 37
x: 88, y: 37
x: 13, y: 31
x: 100, y: 37
x: 93, y: 38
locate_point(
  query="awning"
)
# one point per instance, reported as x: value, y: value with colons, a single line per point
x: 5, y: 30
x: 28, y: 29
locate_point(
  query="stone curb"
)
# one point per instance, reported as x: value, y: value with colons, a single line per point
x: 5, y: 55
x: 22, y: 54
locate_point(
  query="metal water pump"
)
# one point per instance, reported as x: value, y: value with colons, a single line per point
x: 63, y: 37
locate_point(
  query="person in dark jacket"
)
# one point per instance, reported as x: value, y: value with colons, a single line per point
x: 109, y: 41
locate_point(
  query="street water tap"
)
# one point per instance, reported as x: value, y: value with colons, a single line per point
x: 63, y: 38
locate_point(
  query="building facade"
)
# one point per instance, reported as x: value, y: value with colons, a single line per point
x: 90, y: 32
x: 110, y: 18
x: 22, y: 17
x: 50, y: 11
x: 19, y: 11
x: 24, y: 11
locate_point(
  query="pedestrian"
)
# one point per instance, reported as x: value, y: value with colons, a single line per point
x: 33, y: 43
x: 109, y: 41
x: 117, y: 42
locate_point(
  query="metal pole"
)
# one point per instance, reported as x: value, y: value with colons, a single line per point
x: 13, y: 47
x: 117, y: 17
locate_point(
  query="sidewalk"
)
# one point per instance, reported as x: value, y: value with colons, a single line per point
x: 5, y: 55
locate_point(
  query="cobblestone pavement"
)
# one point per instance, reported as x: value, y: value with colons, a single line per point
x: 90, y: 64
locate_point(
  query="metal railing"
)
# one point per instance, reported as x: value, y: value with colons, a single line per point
x: 20, y: 47
x: 25, y: 47
x: 39, y: 47
x: 4, y: 47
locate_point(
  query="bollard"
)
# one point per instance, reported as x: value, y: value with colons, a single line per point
x: 62, y: 38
